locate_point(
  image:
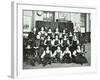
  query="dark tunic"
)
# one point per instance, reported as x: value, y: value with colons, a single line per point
x: 42, y: 43
x: 47, y: 59
x: 74, y: 45
x: 48, y: 42
x: 36, y: 46
x: 63, y: 34
x: 56, y: 34
x: 65, y: 44
x: 47, y: 56
x: 79, y: 59
x: 70, y: 39
x: 66, y: 58
x: 57, y: 57
x: 42, y: 34
x: 37, y: 43
x: 32, y: 36
x: 56, y: 42
x: 50, y: 34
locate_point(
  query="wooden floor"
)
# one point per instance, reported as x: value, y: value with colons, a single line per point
x: 59, y: 65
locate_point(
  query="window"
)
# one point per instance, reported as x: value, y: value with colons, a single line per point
x: 27, y: 21
x: 48, y: 16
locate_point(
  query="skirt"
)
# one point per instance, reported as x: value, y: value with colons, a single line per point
x: 66, y: 59
x: 79, y: 59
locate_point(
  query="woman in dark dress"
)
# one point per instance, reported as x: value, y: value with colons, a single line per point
x: 57, y: 32
x: 64, y: 43
x: 48, y: 42
x: 37, y: 42
x: 66, y: 57
x: 57, y: 56
x: 42, y: 42
x: 61, y: 35
x: 42, y: 33
x: 50, y: 33
x: 36, y: 48
x: 41, y: 49
x: 78, y: 56
x: 64, y: 33
x: 56, y: 43
x: 27, y: 52
x: 74, y: 45
x: 46, y: 57
x: 70, y: 37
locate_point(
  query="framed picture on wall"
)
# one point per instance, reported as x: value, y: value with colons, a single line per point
x: 52, y: 39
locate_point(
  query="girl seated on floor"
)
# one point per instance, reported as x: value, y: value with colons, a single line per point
x: 57, y: 56
x: 66, y: 56
x: 46, y: 57
x: 78, y: 56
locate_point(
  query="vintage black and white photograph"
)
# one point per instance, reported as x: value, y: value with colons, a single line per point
x: 56, y: 39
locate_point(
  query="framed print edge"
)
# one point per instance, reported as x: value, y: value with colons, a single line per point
x: 16, y: 49
x: 14, y: 53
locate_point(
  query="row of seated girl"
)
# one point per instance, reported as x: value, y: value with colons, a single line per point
x: 59, y: 56
x: 63, y: 56
x: 71, y: 42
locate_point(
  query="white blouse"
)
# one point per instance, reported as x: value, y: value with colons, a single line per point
x: 56, y: 53
x: 74, y: 53
x: 44, y: 53
x: 65, y: 52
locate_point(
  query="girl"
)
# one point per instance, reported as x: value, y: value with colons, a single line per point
x: 42, y: 42
x: 36, y: 49
x: 42, y: 33
x: 37, y: 42
x: 57, y: 56
x: 46, y: 57
x: 75, y: 42
x: 64, y: 43
x: 74, y: 45
x: 57, y: 32
x: 70, y: 37
x: 56, y: 43
x: 64, y: 33
x: 66, y: 57
x: 78, y: 56
x: 50, y: 33
x: 48, y: 42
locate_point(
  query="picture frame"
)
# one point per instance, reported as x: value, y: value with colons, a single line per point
x: 17, y: 55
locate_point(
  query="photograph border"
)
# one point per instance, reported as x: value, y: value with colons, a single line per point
x: 16, y: 51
